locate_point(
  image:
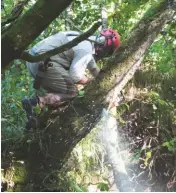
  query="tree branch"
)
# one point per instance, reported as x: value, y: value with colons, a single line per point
x: 26, y: 29
x: 28, y: 57
x: 15, y: 13
x: 73, y: 25
x: 142, y: 37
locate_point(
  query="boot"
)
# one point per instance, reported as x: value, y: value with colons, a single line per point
x: 28, y: 105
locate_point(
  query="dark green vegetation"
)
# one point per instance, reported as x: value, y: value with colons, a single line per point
x: 34, y: 161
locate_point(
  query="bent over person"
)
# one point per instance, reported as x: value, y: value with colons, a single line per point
x: 59, y: 73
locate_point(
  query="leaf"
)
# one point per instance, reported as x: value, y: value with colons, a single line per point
x: 76, y: 187
x: 168, y: 145
x: 121, y: 121
x: 170, y: 148
x: 155, y: 95
x: 37, y: 110
x: 165, y: 144
x: 154, y: 106
x: 145, y: 162
x: 29, y: 141
x: 17, y: 62
x: 3, y: 119
x: 103, y: 186
x: 81, y: 93
x: 148, y: 154
x: 127, y: 106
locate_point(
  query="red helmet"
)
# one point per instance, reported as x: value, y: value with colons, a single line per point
x: 112, y: 38
x: 110, y: 43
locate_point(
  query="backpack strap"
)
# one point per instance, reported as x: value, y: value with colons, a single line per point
x: 42, y: 68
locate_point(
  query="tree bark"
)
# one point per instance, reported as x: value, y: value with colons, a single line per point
x: 27, y: 28
x: 52, y: 143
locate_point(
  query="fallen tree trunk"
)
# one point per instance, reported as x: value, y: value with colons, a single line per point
x: 46, y: 150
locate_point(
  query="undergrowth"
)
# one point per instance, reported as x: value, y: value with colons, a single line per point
x: 150, y: 126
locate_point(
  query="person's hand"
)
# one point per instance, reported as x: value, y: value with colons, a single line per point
x: 85, y: 80
x: 79, y: 86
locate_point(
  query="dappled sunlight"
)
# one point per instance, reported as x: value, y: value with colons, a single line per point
x: 97, y: 142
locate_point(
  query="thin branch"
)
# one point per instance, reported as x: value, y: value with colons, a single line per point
x: 11, y: 19
x: 15, y: 13
x: 79, y: 30
x: 28, y: 57
x: 73, y: 25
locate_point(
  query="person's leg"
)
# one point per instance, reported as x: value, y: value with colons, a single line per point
x: 60, y: 87
x: 55, y: 100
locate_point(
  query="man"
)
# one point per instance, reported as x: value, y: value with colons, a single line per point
x: 66, y: 69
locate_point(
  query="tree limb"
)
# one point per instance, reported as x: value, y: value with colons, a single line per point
x: 26, y: 29
x: 28, y: 57
x: 73, y: 25
x: 15, y: 13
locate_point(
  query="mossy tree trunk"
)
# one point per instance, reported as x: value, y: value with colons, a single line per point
x: 52, y: 143
x: 28, y: 27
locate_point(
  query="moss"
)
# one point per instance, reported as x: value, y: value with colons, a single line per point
x: 78, y: 123
x: 155, y: 9
x: 15, y: 176
x: 19, y: 173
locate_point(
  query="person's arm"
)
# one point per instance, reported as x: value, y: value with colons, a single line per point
x: 78, y: 67
x: 93, y: 68
x: 94, y: 72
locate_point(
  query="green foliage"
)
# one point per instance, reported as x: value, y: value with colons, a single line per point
x: 159, y: 72
x: 15, y: 85
x: 158, y: 76
x: 156, y: 79
x: 126, y: 15
x: 171, y: 145
x: 160, y: 105
x: 154, y: 9
x: 162, y: 54
x: 8, y: 6
x: 103, y: 186
x: 76, y: 188
x: 81, y: 93
x: 37, y: 110
x: 87, y: 164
